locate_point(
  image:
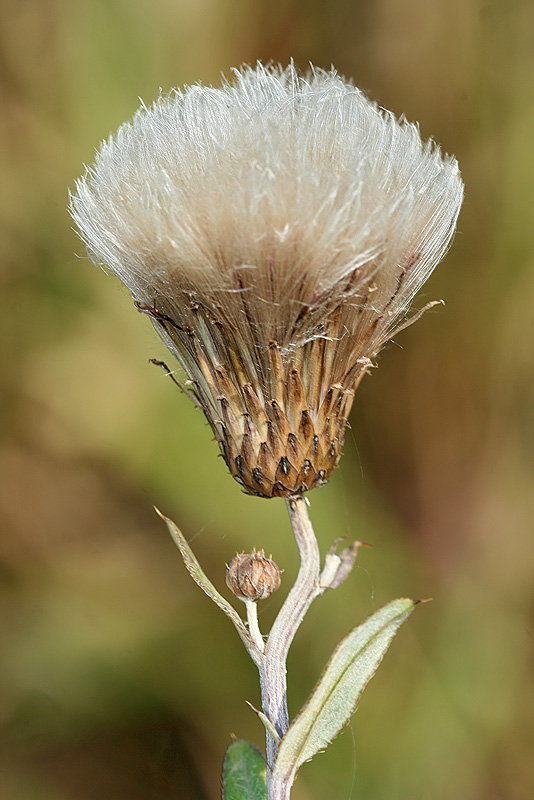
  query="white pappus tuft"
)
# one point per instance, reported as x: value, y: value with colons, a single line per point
x: 276, y: 230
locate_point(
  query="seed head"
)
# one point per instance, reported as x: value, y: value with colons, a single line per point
x: 252, y: 576
x: 275, y: 230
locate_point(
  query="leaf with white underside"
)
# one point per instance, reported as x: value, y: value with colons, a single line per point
x: 200, y: 578
x: 335, y: 697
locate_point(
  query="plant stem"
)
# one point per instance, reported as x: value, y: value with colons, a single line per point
x: 272, y: 667
x: 253, y: 627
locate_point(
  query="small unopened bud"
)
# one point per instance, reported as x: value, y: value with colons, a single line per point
x: 252, y: 576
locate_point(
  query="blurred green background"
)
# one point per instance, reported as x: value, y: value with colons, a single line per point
x: 118, y: 678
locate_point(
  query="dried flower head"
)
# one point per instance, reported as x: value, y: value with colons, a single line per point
x: 275, y: 230
x: 252, y: 576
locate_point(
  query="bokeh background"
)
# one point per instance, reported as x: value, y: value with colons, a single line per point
x: 118, y: 678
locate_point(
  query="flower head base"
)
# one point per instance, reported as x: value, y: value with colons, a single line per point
x: 276, y: 231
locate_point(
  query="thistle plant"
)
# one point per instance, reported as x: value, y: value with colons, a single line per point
x: 275, y: 230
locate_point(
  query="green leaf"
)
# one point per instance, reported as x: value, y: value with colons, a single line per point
x: 244, y: 773
x: 335, y: 697
x: 200, y: 578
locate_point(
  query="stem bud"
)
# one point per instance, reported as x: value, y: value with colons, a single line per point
x: 252, y: 576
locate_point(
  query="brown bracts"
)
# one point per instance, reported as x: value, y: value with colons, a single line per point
x: 280, y: 429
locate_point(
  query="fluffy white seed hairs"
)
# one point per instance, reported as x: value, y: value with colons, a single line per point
x: 276, y: 230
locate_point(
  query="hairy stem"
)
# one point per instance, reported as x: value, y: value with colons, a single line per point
x: 253, y: 626
x: 273, y: 664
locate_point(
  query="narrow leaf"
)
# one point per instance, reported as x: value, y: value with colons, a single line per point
x: 200, y: 578
x: 269, y: 727
x: 244, y: 773
x: 335, y: 697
